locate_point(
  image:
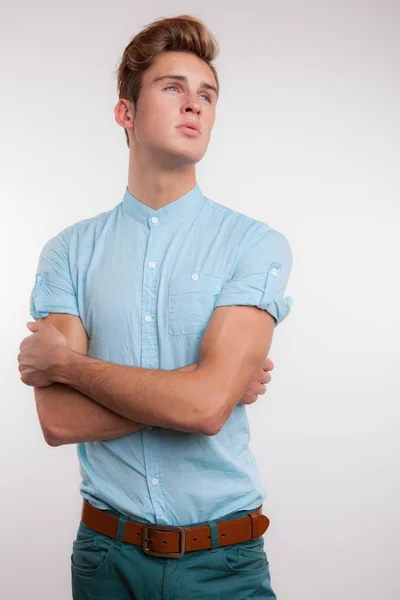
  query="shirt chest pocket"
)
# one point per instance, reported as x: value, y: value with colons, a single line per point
x: 191, y: 301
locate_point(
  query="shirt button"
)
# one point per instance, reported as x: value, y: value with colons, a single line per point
x: 195, y: 276
x: 154, y: 481
x: 152, y: 265
x: 154, y: 220
x: 274, y: 272
x: 39, y: 278
x: 148, y: 319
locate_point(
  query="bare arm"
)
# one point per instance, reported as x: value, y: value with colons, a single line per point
x: 235, y: 342
x: 74, y: 417
x: 67, y: 416
x: 172, y: 399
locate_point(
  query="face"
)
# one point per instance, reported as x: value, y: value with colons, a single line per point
x: 166, y: 103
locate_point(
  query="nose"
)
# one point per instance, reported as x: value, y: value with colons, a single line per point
x: 192, y: 104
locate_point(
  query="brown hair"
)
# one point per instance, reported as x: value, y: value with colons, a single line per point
x: 183, y: 33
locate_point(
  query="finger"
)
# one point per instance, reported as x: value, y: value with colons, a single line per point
x: 268, y: 365
x: 26, y: 343
x: 266, y: 378
x: 34, y: 327
x: 261, y: 388
x: 263, y: 376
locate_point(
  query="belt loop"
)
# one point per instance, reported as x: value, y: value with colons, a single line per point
x: 253, y: 518
x: 121, y: 529
x: 214, y: 535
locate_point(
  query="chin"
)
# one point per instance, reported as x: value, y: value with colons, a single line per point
x: 183, y: 154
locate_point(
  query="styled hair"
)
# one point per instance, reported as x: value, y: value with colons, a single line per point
x: 183, y: 33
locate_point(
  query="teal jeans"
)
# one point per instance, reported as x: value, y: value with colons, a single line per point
x: 106, y: 569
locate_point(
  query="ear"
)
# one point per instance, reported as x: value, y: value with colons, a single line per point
x: 124, y: 113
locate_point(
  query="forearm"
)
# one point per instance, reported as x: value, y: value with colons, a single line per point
x: 67, y: 416
x: 171, y: 399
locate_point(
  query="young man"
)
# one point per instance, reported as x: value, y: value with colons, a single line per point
x: 155, y: 319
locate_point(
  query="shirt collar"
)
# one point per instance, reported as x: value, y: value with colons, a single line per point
x: 182, y: 208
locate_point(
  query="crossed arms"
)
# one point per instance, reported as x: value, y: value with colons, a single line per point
x: 92, y: 399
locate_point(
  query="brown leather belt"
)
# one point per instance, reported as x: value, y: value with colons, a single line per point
x: 171, y: 541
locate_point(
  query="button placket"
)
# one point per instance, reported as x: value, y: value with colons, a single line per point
x: 149, y: 334
x: 150, y: 355
x: 156, y: 491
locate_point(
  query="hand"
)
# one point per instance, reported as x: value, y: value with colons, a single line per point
x: 257, y: 385
x: 38, y: 354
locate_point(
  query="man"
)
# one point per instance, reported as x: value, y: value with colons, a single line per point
x: 155, y: 319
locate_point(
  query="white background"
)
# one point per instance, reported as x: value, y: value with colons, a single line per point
x: 306, y: 139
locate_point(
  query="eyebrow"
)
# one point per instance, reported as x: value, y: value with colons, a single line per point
x: 203, y: 84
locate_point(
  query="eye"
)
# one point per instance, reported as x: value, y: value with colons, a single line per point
x: 176, y: 87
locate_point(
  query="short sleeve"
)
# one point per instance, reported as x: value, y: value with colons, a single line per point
x: 261, y: 275
x: 53, y: 290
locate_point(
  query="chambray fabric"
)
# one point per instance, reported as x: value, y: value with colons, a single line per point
x: 145, y: 283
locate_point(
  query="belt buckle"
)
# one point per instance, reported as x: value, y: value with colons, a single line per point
x: 182, y: 541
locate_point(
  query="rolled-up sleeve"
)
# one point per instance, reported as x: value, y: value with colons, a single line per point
x: 53, y: 290
x: 261, y: 275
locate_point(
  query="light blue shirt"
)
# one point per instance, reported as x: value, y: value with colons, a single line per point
x: 145, y: 283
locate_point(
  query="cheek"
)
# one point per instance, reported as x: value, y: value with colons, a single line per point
x: 162, y: 115
x: 210, y: 121
x: 156, y: 123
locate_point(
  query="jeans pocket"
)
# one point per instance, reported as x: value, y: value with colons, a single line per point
x: 246, y: 557
x: 90, y: 550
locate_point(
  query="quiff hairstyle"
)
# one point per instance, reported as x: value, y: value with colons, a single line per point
x: 182, y: 33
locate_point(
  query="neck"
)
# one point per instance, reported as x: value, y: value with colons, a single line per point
x: 157, y: 185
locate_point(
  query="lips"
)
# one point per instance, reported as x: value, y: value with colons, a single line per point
x: 190, y: 125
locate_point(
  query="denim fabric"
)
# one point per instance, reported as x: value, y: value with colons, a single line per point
x: 107, y: 569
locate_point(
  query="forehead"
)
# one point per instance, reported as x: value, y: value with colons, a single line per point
x: 180, y: 63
